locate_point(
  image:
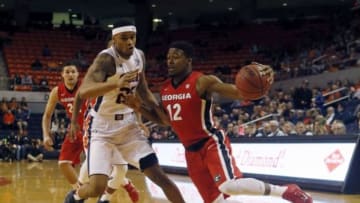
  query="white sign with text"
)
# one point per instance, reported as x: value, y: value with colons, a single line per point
x: 323, y: 161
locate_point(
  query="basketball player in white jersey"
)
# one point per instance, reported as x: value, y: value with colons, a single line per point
x: 118, y: 175
x: 112, y: 126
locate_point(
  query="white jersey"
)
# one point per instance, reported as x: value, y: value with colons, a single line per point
x: 111, y: 103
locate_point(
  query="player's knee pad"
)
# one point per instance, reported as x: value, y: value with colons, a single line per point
x: 118, y: 176
x: 148, y: 161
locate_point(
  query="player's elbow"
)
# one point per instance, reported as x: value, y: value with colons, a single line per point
x: 46, y: 116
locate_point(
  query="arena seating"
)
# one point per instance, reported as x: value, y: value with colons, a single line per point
x: 230, y: 47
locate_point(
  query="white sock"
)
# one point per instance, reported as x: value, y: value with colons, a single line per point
x: 277, y: 190
x: 118, y: 176
x: 250, y: 186
x: 105, y: 196
x: 243, y: 186
x: 125, y: 182
x: 76, y: 196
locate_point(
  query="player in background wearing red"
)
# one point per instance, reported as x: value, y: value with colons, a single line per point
x: 187, y: 99
x: 64, y: 93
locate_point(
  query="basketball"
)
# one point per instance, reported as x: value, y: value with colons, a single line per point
x: 254, y: 81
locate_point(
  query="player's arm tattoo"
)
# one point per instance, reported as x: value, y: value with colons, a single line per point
x: 102, y: 66
x: 94, y: 83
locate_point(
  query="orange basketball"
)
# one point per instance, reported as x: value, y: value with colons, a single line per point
x: 254, y: 81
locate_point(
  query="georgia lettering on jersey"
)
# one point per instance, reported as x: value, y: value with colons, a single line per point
x: 190, y: 116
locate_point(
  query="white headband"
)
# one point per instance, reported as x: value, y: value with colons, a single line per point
x: 128, y: 28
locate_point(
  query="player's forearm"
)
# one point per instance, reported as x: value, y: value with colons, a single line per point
x: 96, y: 89
x: 152, y: 115
x: 153, y: 104
x: 229, y: 91
x: 154, y: 110
x: 146, y: 95
x: 76, y: 108
x: 46, y: 125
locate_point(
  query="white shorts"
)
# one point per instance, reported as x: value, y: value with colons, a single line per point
x: 116, y: 142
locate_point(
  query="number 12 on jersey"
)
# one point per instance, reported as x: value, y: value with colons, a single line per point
x: 174, y: 112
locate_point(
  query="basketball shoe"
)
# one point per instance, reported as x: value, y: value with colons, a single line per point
x: 132, y: 191
x: 295, y: 195
x: 70, y: 198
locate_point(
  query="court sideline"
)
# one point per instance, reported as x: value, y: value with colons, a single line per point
x: 43, y: 183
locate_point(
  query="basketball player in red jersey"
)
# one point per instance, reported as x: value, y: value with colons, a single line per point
x: 64, y: 94
x: 72, y: 147
x: 187, y: 99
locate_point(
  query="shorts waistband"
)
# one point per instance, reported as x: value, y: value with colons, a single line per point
x: 115, y: 117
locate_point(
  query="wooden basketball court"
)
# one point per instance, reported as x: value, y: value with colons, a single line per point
x: 43, y: 183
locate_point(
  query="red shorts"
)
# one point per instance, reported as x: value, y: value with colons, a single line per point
x: 70, y: 151
x: 211, y: 166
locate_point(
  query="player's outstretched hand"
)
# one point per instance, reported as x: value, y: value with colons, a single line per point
x: 265, y: 71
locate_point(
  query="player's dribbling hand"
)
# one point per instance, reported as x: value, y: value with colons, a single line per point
x: 265, y: 71
x: 48, y: 143
x: 126, y: 78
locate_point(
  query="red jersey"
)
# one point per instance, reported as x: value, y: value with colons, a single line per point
x: 66, y: 98
x: 190, y: 116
